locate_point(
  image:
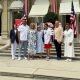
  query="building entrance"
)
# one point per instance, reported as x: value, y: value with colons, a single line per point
x: 16, y: 15
x: 67, y: 18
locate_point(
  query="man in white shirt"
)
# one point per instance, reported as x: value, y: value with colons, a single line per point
x: 22, y: 34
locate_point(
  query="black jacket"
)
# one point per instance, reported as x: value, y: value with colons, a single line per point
x: 14, y: 36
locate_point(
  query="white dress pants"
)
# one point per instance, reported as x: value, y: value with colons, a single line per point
x: 13, y: 49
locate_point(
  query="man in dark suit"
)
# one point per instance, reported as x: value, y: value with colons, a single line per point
x: 14, y: 40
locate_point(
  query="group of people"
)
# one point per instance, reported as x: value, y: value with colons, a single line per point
x: 35, y: 39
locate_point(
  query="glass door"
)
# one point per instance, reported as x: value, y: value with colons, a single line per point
x: 16, y: 15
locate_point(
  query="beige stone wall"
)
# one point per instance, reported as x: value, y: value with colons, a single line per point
x: 6, y: 18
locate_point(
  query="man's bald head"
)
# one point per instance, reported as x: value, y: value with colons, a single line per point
x: 57, y: 23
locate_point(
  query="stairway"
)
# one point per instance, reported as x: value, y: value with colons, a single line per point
x: 19, y: 69
x: 7, y: 51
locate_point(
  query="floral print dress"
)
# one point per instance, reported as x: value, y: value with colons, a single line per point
x: 32, y: 42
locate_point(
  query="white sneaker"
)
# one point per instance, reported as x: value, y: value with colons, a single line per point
x: 67, y: 60
x: 19, y: 58
x: 47, y: 58
x: 25, y: 58
x: 70, y: 60
x: 13, y: 58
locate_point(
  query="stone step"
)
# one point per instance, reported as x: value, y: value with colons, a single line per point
x: 53, y: 47
x: 43, y: 55
x: 51, y: 51
x: 12, y: 76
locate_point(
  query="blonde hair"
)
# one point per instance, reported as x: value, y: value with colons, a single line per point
x: 32, y: 26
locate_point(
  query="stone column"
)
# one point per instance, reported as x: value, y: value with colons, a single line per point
x: 77, y: 20
x: 5, y: 19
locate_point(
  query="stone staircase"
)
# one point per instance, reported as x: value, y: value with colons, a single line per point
x: 12, y: 72
x: 7, y: 51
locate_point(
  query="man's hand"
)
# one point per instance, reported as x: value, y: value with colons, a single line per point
x: 70, y: 44
x: 59, y: 42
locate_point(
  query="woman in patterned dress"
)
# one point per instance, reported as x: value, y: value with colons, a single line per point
x: 32, y: 41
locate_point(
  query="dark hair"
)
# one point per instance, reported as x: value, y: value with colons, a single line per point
x: 67, y: 24
x: 46, y: 24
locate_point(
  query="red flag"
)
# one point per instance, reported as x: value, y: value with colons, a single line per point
x: 18, y: 22
x: 73, y: 23
x: 54, y: 6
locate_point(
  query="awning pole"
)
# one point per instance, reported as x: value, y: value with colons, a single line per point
x: 42, y: 19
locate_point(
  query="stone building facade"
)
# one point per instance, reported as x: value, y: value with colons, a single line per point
x: 12, y: 9
x: 9, y: 11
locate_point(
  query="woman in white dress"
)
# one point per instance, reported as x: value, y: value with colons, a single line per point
x: 68, y: 43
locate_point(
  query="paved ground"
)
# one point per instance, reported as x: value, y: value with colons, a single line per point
x: 13, y: 78
x: 38, y: 67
